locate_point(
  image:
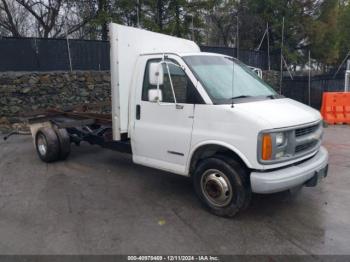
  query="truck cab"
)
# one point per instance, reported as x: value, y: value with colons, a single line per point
x: 186, y: 119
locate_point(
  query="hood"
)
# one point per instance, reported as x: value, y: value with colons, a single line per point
x: 281, y: 113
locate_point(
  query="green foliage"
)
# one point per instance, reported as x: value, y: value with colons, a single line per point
x: 298, y: 17
x: 173, y: 17
x: 344, y: 31
x: 324, y: 33
x: 322, y: 26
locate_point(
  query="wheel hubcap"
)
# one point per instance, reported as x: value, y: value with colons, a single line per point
x: 42, y: 147
x: 216, y: 187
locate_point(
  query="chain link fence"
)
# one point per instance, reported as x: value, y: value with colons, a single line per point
x: 37, y: 54
x: 259, y: 59
x: 298, y: 88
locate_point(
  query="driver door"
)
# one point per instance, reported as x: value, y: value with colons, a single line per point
x: 163, y: 128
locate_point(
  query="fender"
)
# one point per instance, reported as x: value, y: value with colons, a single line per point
x: 219, y: 143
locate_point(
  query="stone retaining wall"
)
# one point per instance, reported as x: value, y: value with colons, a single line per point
x: 28, y: 91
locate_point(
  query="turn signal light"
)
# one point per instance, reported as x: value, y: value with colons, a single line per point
x: 266, y: 147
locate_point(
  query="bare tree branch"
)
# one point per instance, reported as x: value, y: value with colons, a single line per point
x: 9, y: 24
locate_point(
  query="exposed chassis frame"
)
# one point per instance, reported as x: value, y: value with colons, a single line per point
x: 96, y: 129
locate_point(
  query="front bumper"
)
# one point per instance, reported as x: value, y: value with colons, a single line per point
x: 293, y: 176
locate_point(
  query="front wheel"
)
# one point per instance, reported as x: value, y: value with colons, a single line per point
x: 222, y: 185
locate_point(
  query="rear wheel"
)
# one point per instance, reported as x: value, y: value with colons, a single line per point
x: 47, y: 144
x: 64, y: 142
x: 222, y: 185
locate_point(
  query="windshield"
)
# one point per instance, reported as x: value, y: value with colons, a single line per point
x: 215, y: 73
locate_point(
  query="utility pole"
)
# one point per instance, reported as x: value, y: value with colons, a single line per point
x: 237, y: 37
x: 309, y: 83
x: 268, y: 46
x: 281, y: 66
x: 68, y: 49
x: 266, y: 33
x: 138, y: 13
x: 208, y: 19
x: 347, y: 77
x: 192, y: 28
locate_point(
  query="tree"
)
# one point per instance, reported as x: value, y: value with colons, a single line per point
x: 45, y: 15
x: 40, y: 18
x: 324, y: 35
x: 344, y: 32
x: 221, y: 16
x: 13, y: 20
x: 103, y: 14
x: 104, y: 11
x: 321, y: 26
x: 298, y: 15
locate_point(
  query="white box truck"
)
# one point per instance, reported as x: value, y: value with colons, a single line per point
x: 202, y: 115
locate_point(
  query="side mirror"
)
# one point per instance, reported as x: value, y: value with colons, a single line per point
x: 257, y: 71
x: 155, y: 95
x: 156, y: 74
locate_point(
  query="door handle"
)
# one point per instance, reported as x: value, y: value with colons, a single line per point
x: 179, y: 106
x: 138, y: 112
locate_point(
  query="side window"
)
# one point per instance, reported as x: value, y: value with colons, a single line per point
x: 184, y: 90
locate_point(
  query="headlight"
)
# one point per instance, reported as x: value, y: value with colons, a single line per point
x: 279, y: 155
x: 273, y: 146
x: 279, y: 139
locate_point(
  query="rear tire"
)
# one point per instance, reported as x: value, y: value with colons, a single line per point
x: 64, y: 142
x: 47, y: 144
x: 222, y: 184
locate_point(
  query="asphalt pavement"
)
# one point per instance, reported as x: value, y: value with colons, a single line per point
x: 99, y: 202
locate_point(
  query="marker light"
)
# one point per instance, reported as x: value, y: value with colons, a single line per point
x: 266, y: 147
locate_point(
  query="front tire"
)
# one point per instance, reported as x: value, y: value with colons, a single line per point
x: 222, y: 184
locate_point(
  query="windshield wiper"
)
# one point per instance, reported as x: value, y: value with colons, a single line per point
x: 274, y: 96
x: 242, y: 96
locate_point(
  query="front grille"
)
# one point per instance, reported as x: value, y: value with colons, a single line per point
x: 307, y: 138
x: 306, y: 130
x: 305, y: 147
x: 301, y: 141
